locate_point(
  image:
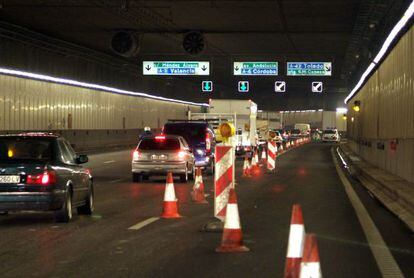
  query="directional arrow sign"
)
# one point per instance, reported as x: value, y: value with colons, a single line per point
x: 309, y: 68
x: 280, y: 86
x: 175, y: 68
x: 255, y: 68
x: 317, y: 87
x: 207, y: 86
x: 243, y: 86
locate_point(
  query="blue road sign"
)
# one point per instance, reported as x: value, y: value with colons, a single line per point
x: 207, y: 86
x: 243, y: 86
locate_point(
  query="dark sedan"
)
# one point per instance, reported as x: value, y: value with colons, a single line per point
x: 41, y: 172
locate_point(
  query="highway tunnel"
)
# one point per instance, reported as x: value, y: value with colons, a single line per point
x: 334, y: 81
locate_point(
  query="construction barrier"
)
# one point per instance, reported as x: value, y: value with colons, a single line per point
x: 232, y: 239
x: 170, y: 207
x: 295, y: 243
x: 271, y: 156
x: 223, y: 179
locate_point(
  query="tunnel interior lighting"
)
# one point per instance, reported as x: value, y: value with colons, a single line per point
x: 387, y: 43
x: 75, y: 83
x: 357, y: 106
x: 341, y: 110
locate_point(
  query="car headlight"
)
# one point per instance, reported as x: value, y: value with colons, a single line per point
x: 199, y: 152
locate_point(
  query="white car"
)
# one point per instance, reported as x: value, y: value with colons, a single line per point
x: 331, y: 135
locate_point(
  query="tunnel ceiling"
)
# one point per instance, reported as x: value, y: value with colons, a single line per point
x: 345, y: 32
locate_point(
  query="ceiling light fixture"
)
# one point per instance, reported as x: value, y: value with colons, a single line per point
x: 392, y: 35
x: 75, y: 83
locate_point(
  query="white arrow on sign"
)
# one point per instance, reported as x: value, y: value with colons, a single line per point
x: 317, y: 87
x: 280, y: 86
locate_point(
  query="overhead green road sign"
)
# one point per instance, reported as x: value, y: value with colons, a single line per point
x: 255, y: 68
x: 176, y: 68
x: 309, y: 68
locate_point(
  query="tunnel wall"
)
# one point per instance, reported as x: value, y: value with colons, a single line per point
x: 382, y: 132
x: 88, y: 118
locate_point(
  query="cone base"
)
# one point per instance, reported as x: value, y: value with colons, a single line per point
x: 169, y: 216
x: 232, y: 249
x: 170, y: 210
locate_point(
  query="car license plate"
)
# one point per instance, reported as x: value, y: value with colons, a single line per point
x: 9, y: 179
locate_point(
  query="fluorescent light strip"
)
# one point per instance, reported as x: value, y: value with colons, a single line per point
x: 341, y: 110
x: 92, y: 86
x: 393, y: 34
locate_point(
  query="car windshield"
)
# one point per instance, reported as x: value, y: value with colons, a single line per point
x: 329, y: 132
x: 191, y: 132
x: 159, y: 144
x: 25, y: 148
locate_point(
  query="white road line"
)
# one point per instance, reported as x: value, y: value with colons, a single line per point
x: 386, y: 262
x: 109, y: 161
x: 115, y: 181
x: 143, y: 223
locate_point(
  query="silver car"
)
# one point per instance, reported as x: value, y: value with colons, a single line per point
x: 157, y: 155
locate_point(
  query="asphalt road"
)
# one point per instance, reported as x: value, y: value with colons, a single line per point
x: 32, y: 245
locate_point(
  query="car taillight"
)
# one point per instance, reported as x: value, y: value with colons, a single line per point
x: 181, y: 154
x: 208, y: 142
x: 160, y: 137
x: 136, y: 155
x: 47, y: 178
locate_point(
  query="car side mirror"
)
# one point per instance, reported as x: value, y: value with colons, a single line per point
x: 82, y: 158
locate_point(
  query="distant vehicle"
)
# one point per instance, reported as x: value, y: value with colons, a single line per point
x: 331, y: 135
x: 159, y: 154
x: 199, y: 136
x: 304, y: 129
x: 41, y: 172
x: 295, y: 134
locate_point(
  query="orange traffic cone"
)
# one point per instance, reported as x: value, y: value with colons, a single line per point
x: 246, y: 167
x: 232, y: 240
x: 170, y: 208
x: 295, y: 244
x: 263, y: 158
x: 198, y: 189
x: 310, y: 266
x: 254, y: 168
x: 256, y: 156
x: 281, y: 148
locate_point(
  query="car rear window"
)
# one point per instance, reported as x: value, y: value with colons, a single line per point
x: 25, y: 148
x: 296, y: 131
x: 329, y: 132
x: 154, y: 144
x: 191, y: 132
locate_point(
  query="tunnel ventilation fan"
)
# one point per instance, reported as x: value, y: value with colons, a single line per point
x: 193, y: 42
x: 125, y: 43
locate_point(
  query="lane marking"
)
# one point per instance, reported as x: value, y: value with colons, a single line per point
x: 109, y: 161
x: 115, y: 181
x: 385, y: 261
x: 144, y: 223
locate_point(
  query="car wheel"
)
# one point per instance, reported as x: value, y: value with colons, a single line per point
x: 89, y: 205
x: 4, y: 213
x: 184, y: 177
x: 136, y: 177
x: 65, y: 213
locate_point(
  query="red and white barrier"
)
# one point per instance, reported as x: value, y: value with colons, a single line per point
x: 271, y: 156
x: 295, y: 244
x: 310, y: 266
x: 223, y: 179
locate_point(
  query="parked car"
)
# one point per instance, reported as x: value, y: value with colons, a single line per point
x: 41, y: 172
x: 159, y: 154
x: 331, y: 135
x: 199, y: 136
